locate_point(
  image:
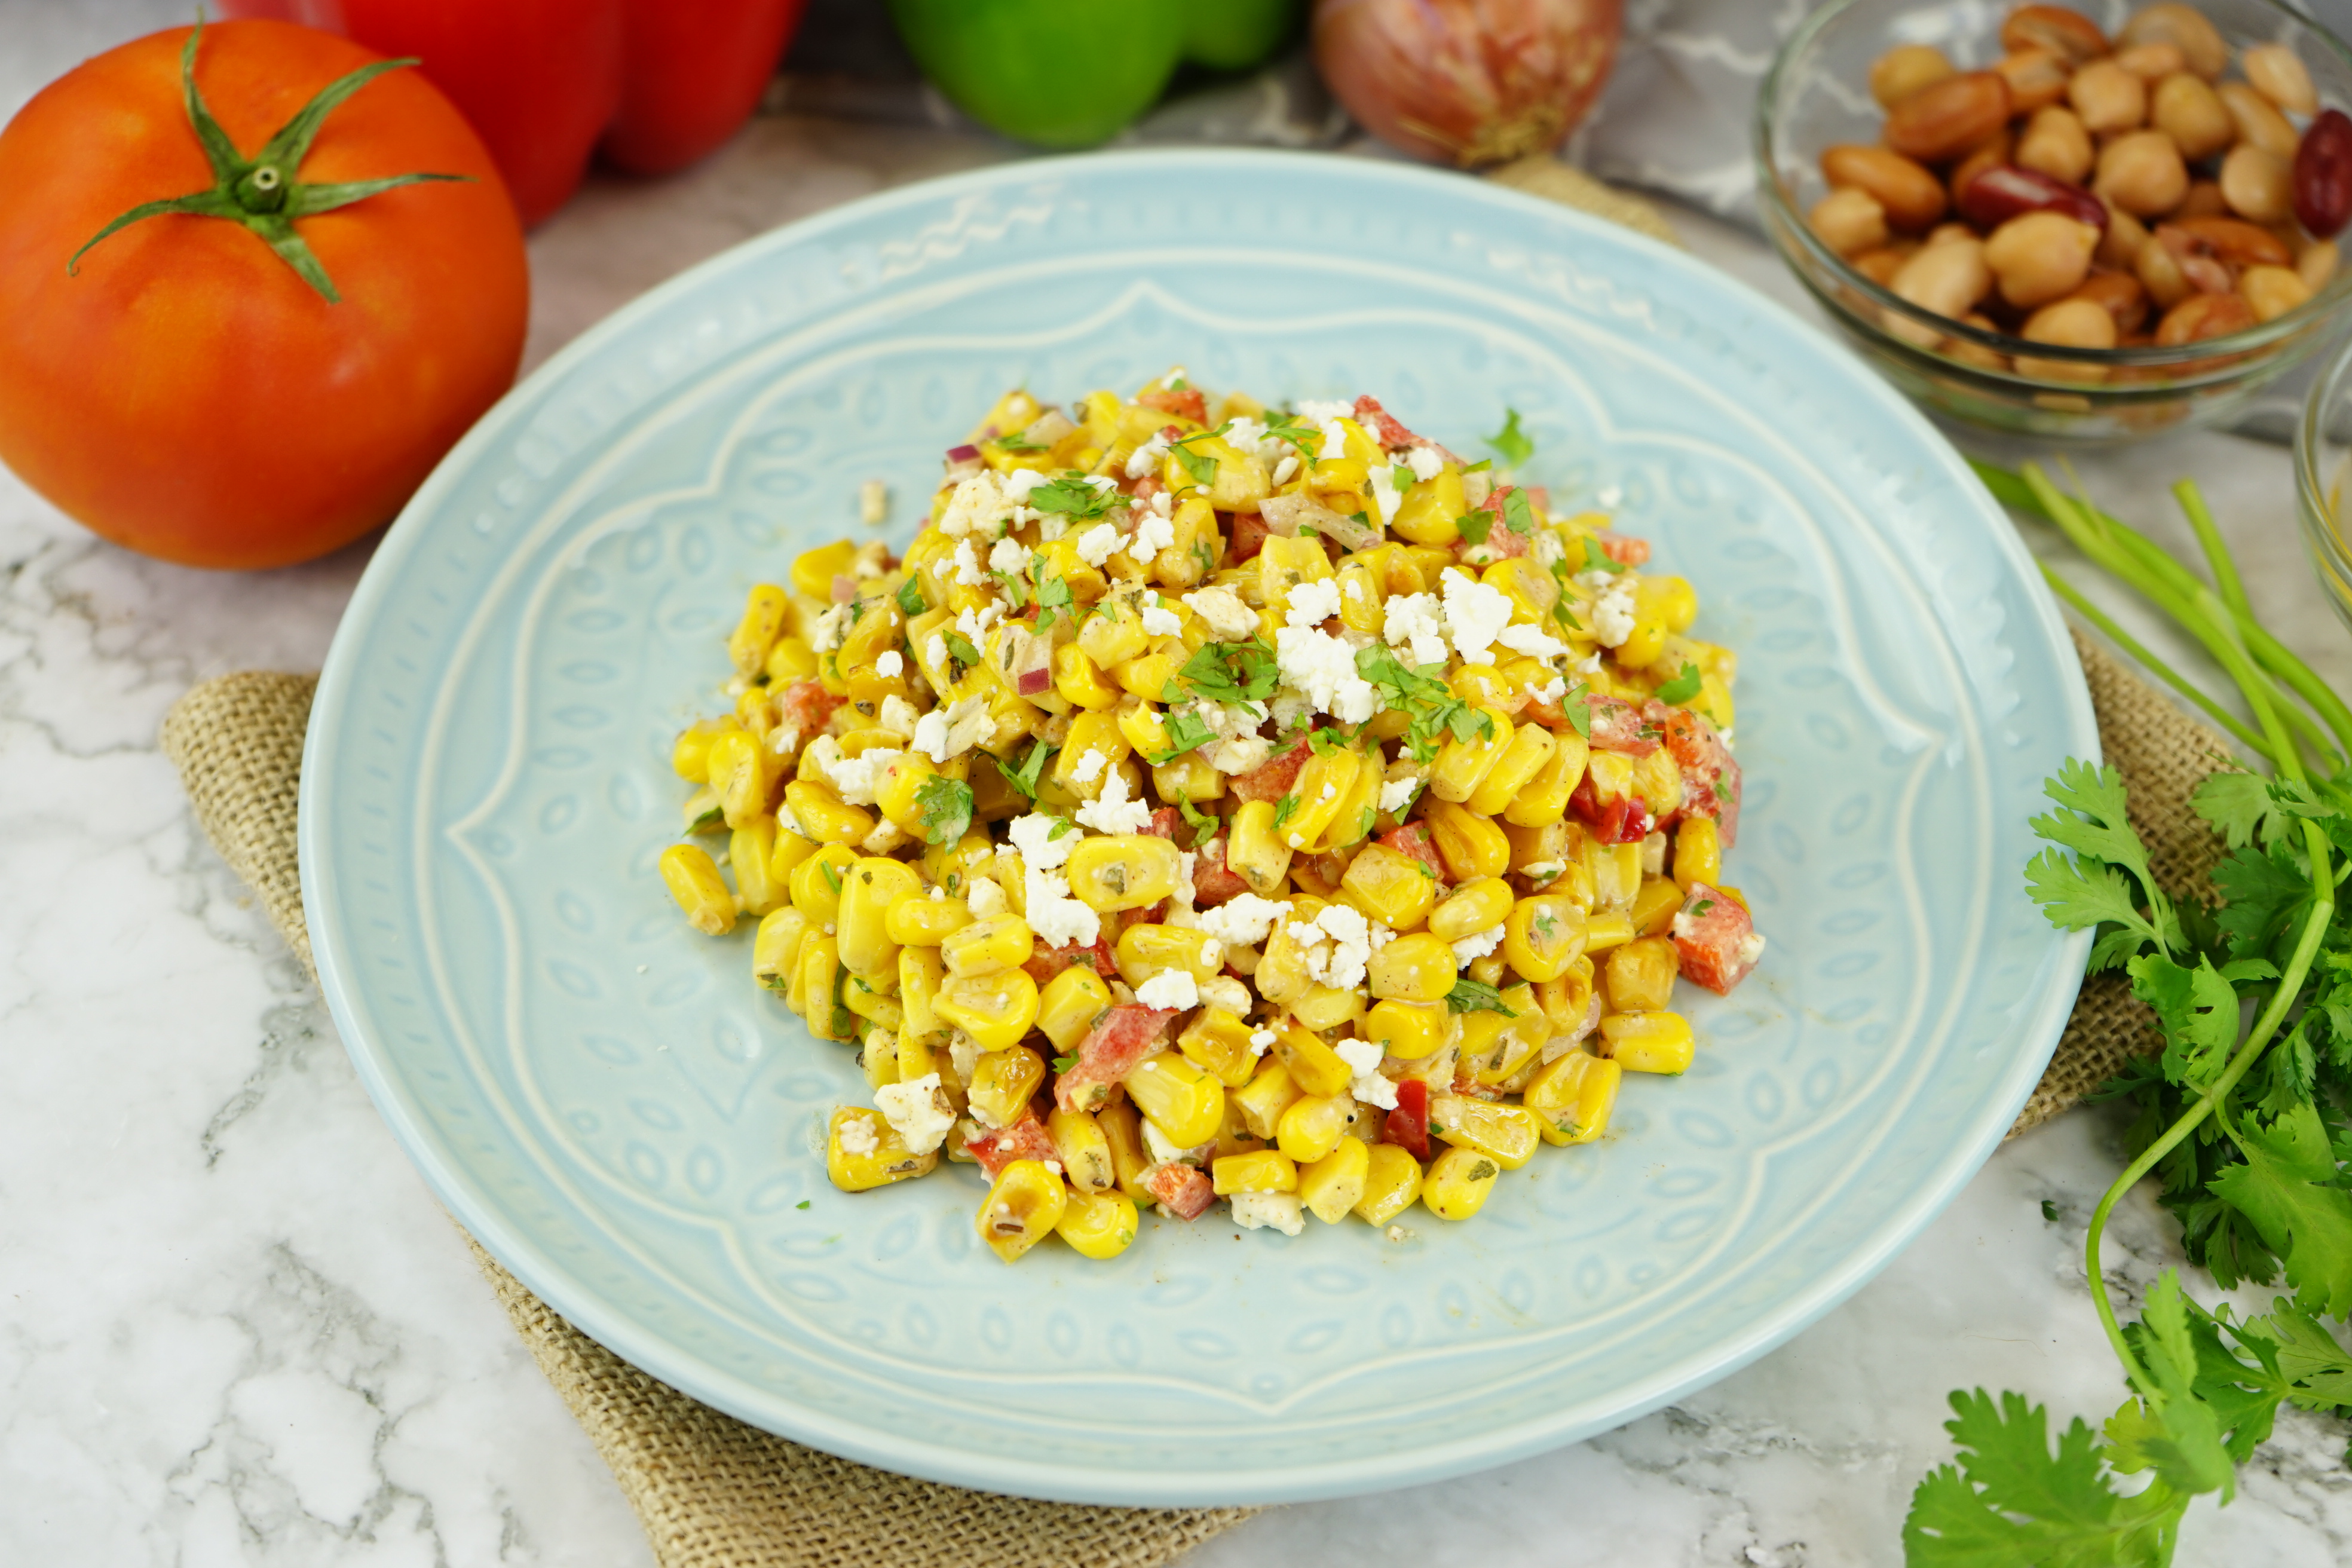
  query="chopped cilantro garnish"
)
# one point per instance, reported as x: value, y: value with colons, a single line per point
x: 1331, y: 738
x: 1364, y: 823
x: 1064, y: 1063
x: 910, y: 597
x: 1070, y: 496
x: 1200, y: 465
x: 1204, y: 827
x: 801, y: 1204
x: 1186, y: 733
x: 1229, y: 672
x: 1722, y: 788
x: 1024, y: 777
x: 1473, y: 525
x: 1577, y: 706
x: 1682, y: 687
x: 946, y: 806
x: 832, y: 877
x: 1473, y: 996
x: 1306, y: 437
x: 1402, y: 477
x: 1015, y: 588
x: 1284, y: 808
x: 1429, y: 706
x: 1596, y: 559
x: 1017, y: 442
x: 1701, y: 908
x: 1061, y: 827
x: 1518, y: 513
x: 1053, y: 593
x: 1546, y: 927
x: 1511, y: 443
x: 960, y: 650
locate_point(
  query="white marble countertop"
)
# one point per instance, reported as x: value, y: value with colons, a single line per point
x: 235, y: 1328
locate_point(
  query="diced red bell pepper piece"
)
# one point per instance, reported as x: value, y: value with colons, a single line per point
x: 1024, y: 1140
x: 1382, y: 424
x: 1187, y: 1192
x: 1164, y: 822
x: 1622, y: 548
x: 1500, y: 541
x: 1121, y: 1038
x: 1213, y: 881
x: 1045, y: 962
x: 1710, y: 773
x: 1272, y: 779
x: 1408, y: 1124
x: 1249, y: 536
x: 1188, y: 403
x: 1413, y: 839
x: 807, y: 706
x: 1712, y: 937
x: 1145, y: 488
x: 1618, y: 726
x: 1624, y: 820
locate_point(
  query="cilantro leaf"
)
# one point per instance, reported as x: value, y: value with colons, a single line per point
x: 832, y: 877
x: 960, y: 649
x: 2287, y: 1189
x: 1511, y: 443
x: 1053, y: 593
x: 1306, y: 437
x: 2308, y: 1357
x: 2267, y: 894
x: 910, y: 597
x: 1518, y: 513
x: 1186, y: 731
x: 1429, y: 707
x: 1577, y: 706
x: 1070, y: 496
x: 1024, y: 777
x: 2094, y: 822
x: 2199, y: 1010
x: 946, y: 806
x: 2240, y: 808
x: 2087, y: 895
x: 1204, y: 827
x: 1201, y: 465
x: 1596, y: 559
x: 1470, y: 996
x: 2011, y: 1500
x: 1017, y: 442
x: 2180, y: 1439
x: 1330, y: 738
x: 1682, y: 687
x: 1473, y: 525
x: 1229, y: 672
x: 1285, y: 809
x: 1066, y: 1062
x: 1015, y: 589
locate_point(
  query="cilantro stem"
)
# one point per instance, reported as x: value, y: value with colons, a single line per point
x: 2156, y: 667
x: 2217, y: 554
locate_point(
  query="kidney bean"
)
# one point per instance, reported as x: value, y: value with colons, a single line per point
x: 2185, y: 107
x: 1997, y: 196
x: 2323, y: 174
x: 1912, y: 197
x: 1939, y: 121
x: 2036, y: 78
x: 2153, y: 62
x: 1992, y: 154
x: 2069, y: 35
x: 1850, y: 221
x: 2272, y: 291
x: 2278, y: 75
x: 2203, y: 316
x: 2141, y: 171
x: 1904, y: 69
x: 2186, y: 28
x: 2257, y: 185
x: 2233, y: 241
x: 2258, y: 122
x: 2108, y: 97
x: 2040, y: 257
x: 2056, y: 144
x: 2120, y: 295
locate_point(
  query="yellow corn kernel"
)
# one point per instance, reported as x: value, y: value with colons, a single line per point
x: 789, y: 660
x: 1115, y: 633
x: 1426, y: 514
x: 1328, y: 1007
x: 1335, y: 1183
x: 898, y: 792
x: 1416, y: 968
x: 876, y: 1157
x: 1481, y: 904
x: 950, y: 866
x: 1469, y: 845
x: 1487, y: 971
x: 1567, y: 1001
x: 868, y: 888
x: 1506, y: 1134
x: 1616, y: 871
x: 1085, y: 1152
x: 776, y: 948
x: 1143, y: 726
x: 1147, y: 674
x: 920, y: 974
x: 1282, y: 563
x: 1658, y: 780
x: 1021, y: 1209
x: 1265, y: 1097
x: 1506, y: 1050
x: 693, y: 879
x: 1674, y: 601
x: 1407, y: 1030
x: 1655, y: 906
x: 1543, y: 800
x: 689, y: 757
x: 1545, y: 935
x: 1122, y: 1129
x: 881, y: 626
x: 1144, y: 950
x: 1264, y: 1171
x: 1458, y: 1182
x: 1092, y: 735
x: 743, y: 772
x: 1429, y: 561
x: 1001, y: 1083
x: 1196, y: 543
x: 1256, y: 851
x: 1391, y: 1182
x: 1314, y: 1067
x: 994, y: 1009
x: 1218, y: 1043
x: 1123, y: 870
x: 814, y: 570
x: 918, y: 920
x: 1572, y: 1096
x: 1358, y: 812
x: 1097, y: 1224
x: 1322, y: 791
x: 1698, y: 852
x: 878, y: 1057
x: 1604, y: 931
x: 1648, y: 1042
x: 1080, y: 680
x: 821, y: 817
x: 1531, y: 746
x: 1314, y: 1125
x: 1188, y: 778
x: 1362, y: 599
x: 1281, y: 976
x: 1186, y: 1104
x: 1531, y: 587
x: 1461, y: 764
x: 816, y: 994
x: 1087, y: 584
x: 918, y: 1061
x: 785, y: 857
x: 1070, y: 1004
x: 987, y: 946
x: 1394, y: 888
x: 875, y: 999
x: 816, y: 883
x: 1482, y: 686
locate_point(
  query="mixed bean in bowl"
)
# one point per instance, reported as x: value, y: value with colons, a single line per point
x: 2088, y: 223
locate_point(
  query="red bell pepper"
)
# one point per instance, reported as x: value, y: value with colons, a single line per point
x: 658, y: 82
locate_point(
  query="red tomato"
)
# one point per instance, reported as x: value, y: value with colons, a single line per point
x: 1408, y: 1124
x: 185, y: 393
x: 1712, y: 934
x: 695, y: 74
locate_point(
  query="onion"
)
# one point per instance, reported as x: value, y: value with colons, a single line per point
x: 1468, y: 82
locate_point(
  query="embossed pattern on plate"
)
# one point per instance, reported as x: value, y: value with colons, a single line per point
x: 605, y: 1100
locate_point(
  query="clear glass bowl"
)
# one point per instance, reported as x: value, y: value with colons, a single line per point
x: 1817, y: 95
x: 2323, y: 477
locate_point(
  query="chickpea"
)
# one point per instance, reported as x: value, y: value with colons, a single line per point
x: 2203, y: 316
x: 1944, y: 233
x: 2317, y: 264
x: 1944, y: 280
x: 2153, y: 62
x: 2258, y: 122
x: 2036, y: 78
x: 2141, y: 171
x: 1969, y: 352
x: 2069, y: 323
x: 1903, y: 70
x: 2272, y: 291
x: 2204, y: 200
x: 1881, y: 266
x: 2158, y: 271
x: 2274, y: 71
x: 2257, y: 185
x: 2186, y: 28
x: 2056, y: 144
x: 2108, y: 97
x: 1912, y: 197
x: 2119, y: 247
x: 1850, y: 221
x: 2120, y: 295
x: 2040, y: 257
x: 2187, y: 109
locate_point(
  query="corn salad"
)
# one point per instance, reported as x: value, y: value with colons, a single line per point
x: 1223, y: 802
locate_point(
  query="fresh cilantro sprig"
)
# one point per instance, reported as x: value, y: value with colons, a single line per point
x: 1470, y: 996
x: 1226, y: 672
x: 960, y: 652
x: 1069, y: 495
x: 1024, y: 777
x: 946, y: 807
x: 1510, y: 443
x: 910, y: 597
x: 1186, y: 731
x: 1431, y: 710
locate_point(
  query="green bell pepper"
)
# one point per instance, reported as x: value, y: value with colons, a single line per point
x: 1071, y: 73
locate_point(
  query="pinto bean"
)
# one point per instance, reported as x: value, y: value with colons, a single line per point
x: 1850, y: 221
x: 1912, y: 197
x: 2186, y: 28
x: 1953, y: 115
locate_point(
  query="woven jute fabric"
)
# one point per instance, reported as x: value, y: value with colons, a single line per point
x: 1546, y: 176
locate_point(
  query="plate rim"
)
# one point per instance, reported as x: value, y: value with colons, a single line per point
x: 538, y: 1268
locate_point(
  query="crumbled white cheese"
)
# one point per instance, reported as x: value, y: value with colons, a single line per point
x: 1477, y: 944
x: 1009, y: 555
x: 1548, y: 549
x: 1361, y: 1055
x: 1542, y: 872
x: 1269, y: 1211
x: 887, y: 837
x: 1174, y: 989
x: 1475, y: 614
x: 966, y: 563
x: 919, y: 1110
x: 1260, y: 1040
x: 974, y: 624
x: 1336, y: 946
x: 1316, y: 410
x: 1612, y: 613
x: 858, y: 1136
x: 1413, y: 618
x: 1096, y: 544
x: 1371, y: 1089
x: 1163, y: 1150
x: 899, y: 716
x: 1751, y: 947
x: 1533, y: 641
x: 889, y: 664
x: 1112, y: 812
x: 1239, y: 754
x: 854, y: 778
x: 874, y: 503
x: 1058, y: 919
x: 1397, y: 794
x: 984, y: 897
x: 1225, y: 991
x: 1146, y: 459
x: 1383, y: 480
x: 1154, y: 531
x: 978, y: 505
x: 1683, y: 927
x: 1021, y: 481
x: 1088, y: 767
x: 830, y: 627
x: 1287, y: 469
x: 1242, y: 920
x: 1323, y: 669
x: 1161, y: 622
x: 1313, y: 602
x: 1334, y: 441
x: 1425, y: 462
x: 1224, y: 613
x: 1035, y: 836
x: 950, y: 732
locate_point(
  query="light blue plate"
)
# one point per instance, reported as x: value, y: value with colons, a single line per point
x: 605, y: 1100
